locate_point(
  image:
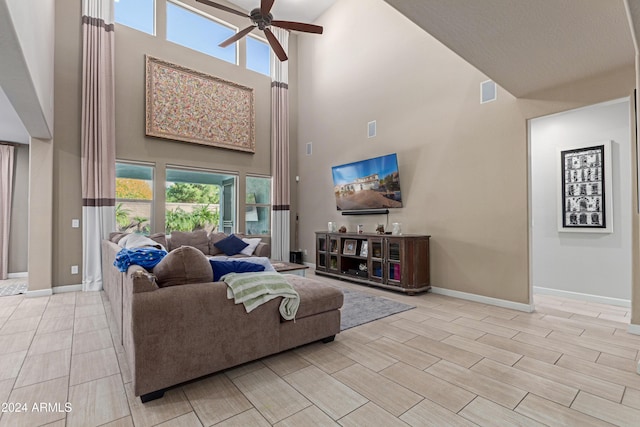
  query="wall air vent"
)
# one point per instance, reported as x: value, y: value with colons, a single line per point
x: 488, y: 91
x: 371, y: 129
x: 309, y: 148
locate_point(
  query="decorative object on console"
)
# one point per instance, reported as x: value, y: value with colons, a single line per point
x: 342, y: 229
x: 360, y: 228
x: 380, y: 229
x: 586, y: 189
x: 349, y: 247
x: 263, y: 19
x: 364, y: 248
x: 396, y: 229
x: 190, y: 106
x: 332, y: 227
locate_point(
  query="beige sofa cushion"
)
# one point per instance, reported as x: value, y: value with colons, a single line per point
x: 197, y: 239
x: 183, y: 266
x: 213, y: 239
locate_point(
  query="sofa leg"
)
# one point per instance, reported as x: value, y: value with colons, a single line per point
x: 152, y: 396
x: 328, y: 339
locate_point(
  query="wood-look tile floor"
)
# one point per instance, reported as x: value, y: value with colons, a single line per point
x: 448, y: 362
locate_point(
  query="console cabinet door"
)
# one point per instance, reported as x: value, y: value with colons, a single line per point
x: 376, y: 259
x: 394, y: 254
x: 322, y: 259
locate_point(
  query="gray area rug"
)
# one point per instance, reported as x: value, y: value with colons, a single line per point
x: 16, y: 289
x: 359, y: 308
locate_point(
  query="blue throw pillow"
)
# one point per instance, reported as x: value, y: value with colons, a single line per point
x: 231, y: 245
x: 220, y: 268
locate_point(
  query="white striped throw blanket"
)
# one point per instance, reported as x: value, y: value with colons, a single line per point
x: 253, y: 289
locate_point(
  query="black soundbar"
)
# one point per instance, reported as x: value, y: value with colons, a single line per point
x: 367, y: 212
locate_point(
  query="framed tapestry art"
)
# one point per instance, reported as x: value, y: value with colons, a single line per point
x: 187, y: 105
x: 585, y: 189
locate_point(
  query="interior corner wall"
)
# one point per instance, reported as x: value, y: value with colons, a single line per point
x: 19, y: 227
x: 594, y: 264
x: 462, y: 164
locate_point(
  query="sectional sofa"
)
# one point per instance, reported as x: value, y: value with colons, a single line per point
x: 174, y: 334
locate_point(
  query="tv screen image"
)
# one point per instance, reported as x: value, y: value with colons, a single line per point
x: 368, y: 184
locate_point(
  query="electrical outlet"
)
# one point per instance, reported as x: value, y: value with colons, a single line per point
x: 74, y: 269
x: 75, y: 223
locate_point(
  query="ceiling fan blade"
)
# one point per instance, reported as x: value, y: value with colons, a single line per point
x: 275, y: 45
x: 237, y: 36
x: 222, y: 7
x: 298, y: 26
x: 265, y: 6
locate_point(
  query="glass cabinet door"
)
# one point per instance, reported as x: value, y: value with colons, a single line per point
x: 322, y: 243
x: 334, y: 244
x: 393, y: 251
x: 321, y: 252
x: 394, y: 264
x: 376, y: 262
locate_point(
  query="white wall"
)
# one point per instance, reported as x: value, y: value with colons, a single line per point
x: 33, y: 22
x: 593, y: 264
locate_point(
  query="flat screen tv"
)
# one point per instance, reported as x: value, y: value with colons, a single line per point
x: 368, y: 184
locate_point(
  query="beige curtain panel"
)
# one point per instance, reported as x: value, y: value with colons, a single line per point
x: 97, y: 136
x: 6, y: 184
x: 280, y: 217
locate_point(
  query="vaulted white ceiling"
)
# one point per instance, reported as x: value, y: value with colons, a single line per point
x: 290, y: 10
x: 530, y: 45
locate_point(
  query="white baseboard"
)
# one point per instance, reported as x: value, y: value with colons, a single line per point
x: 17, y: 275
x: 54, y: 290
x: 485, y: 300
x: 582, y: 297
x: 635, y: 330
x: 66, y: 288
x: 39, y: 293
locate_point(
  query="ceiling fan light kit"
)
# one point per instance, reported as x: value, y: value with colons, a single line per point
x: 262, y: 19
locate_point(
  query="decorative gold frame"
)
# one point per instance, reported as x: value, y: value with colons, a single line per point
x: 190, y: 106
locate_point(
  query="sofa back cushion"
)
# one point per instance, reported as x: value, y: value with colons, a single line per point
x: 197, y: 239
x: 183, y: 266
x: 213, y: 239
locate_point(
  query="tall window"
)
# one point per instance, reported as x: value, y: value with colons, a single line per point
x: 137, y: 14
x: 134, y: 197
x: 258, y: 206
x: 193, y: 30
x: 258, y: 52
x: 198, y: 200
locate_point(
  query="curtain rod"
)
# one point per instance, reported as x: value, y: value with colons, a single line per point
x: 15, y: 144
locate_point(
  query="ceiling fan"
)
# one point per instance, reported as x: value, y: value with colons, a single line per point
x: 263, y: 19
